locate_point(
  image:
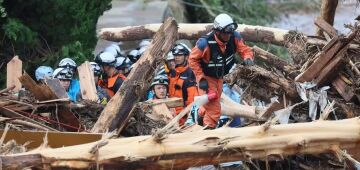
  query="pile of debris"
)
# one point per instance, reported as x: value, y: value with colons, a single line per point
x: 321, y: 83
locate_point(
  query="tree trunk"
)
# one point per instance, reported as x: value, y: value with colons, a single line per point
x: 116, y: 113
x: 328, y: 10
x: 194, y: 31
x: 183, y: 150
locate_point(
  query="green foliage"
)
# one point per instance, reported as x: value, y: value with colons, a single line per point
x: 254, y: 12
x: 16, y: 31
x: 2, y: 10
x: 43, y: 32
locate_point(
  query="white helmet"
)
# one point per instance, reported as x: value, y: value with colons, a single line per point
x: 120, y: 62
x: 42, y: 72
x: 160, y: 79
x: 105, y: 58
x: 133, y: 55
x: 67, y: 63
x: 180, y: 49
x: 170, y: 56
x: 224, y: 23
x: 63, y: 74
x: 144, y: 43
x: 141, y: 51
x: 161, y: 70
x: 114, y: 49
x: 95, y: 68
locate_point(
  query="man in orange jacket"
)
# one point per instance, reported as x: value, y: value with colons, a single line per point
x: 112, y: 79
x: 212, y: 58
x: 182, y: 79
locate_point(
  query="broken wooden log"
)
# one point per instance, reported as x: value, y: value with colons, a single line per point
x: 329, y: 72
x: 170, y: 102
x: 327, y: 12
x: 233, y: 109
x: 263, y: 78
x: 116, y: 113
x: 53, y: 90
x: 194, y: 31
x: 41, y: 92
x: 325, y: 26
x: 183, y: 150
x: 346, y: 91
x: 273, y: 60
x: 13, y: 72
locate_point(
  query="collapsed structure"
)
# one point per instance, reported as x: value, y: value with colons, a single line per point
x: 320, y: 83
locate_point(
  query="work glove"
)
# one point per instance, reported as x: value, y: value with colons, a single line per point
x: 203, y: 84
x: 248, y: 62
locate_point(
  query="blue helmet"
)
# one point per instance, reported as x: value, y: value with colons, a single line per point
x: 42, y: 72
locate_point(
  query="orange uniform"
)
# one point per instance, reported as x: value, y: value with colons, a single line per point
x: 211, y: 59
x: 112, y: 84
x: 182, y: 84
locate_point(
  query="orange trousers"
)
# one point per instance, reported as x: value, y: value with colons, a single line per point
x: 211, y: 111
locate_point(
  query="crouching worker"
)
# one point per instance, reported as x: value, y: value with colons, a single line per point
x: 65, y: 76
x: 101, y: 93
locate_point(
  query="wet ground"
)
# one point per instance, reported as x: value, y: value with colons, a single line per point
x: 127, y: 13
x: 346, y: 12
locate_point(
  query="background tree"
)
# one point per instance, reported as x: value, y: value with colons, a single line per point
x: 43, y: 32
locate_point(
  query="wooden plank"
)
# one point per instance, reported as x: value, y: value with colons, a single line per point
x: 321, y: 23
x: 13, y: 72
x: 314, y: 69
x: 329, y: 69
x: 43, y: 93
x: 330, y: 44
x: 170, y: 102
x: 56, y: 88
x: 54, y: 139
x: 343, y: 89
x: 275, y: 106
x: 87, y: 82
x: 40, y: 92
x: 163, y: 111
x: 10, y: 113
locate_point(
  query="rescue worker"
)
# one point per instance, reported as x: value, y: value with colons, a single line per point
x: 123, y: 64
x: 115, y: 50
x: 159, y: 87
x: 74, y: 88
x: 101, y: 93
x: 112, y: 79
x: 42, y: 72
x: 182, y: 79
x: 212, y: 58
x: 135, y: 54
x: 65, y: 76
